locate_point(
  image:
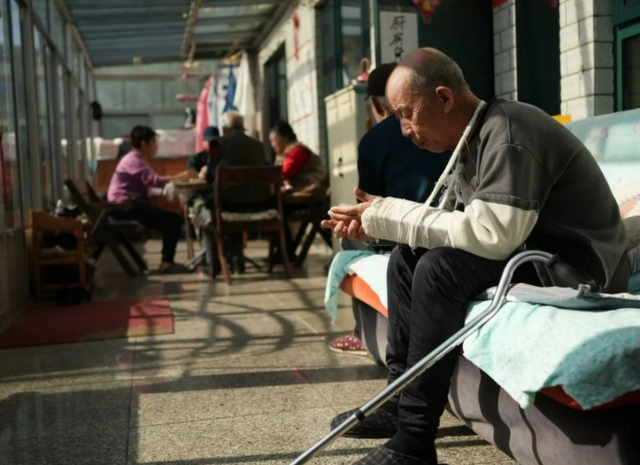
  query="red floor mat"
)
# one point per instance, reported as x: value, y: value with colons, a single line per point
x: 89, y: 322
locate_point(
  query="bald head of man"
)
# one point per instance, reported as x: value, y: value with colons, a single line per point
x: 430, y: 96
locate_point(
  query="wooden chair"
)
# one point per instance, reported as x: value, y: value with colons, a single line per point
x: 41, y: 224
x: 314, y: 211
x: 268, y: 176
x: 105, y: 235
x: 92, y: 195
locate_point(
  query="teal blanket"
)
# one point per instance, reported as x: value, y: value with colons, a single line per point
x: 543, y: 337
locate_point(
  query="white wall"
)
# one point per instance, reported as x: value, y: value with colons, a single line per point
x: 505, y: 64
x: 587, y: 60
x: 304, y: 106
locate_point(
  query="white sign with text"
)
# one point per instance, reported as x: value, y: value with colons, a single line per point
x: 398, y: 35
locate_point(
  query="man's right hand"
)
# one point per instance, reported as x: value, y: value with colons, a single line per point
x: 347, y: 221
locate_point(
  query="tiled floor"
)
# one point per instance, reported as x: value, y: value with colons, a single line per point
x: 246, y: 378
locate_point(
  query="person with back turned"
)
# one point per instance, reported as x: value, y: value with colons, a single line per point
x: 389, y: 165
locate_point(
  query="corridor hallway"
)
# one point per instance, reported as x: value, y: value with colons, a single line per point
x: 247, y: 378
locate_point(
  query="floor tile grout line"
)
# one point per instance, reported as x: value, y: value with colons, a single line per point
x: 131, y: 404
x: 202, y: 420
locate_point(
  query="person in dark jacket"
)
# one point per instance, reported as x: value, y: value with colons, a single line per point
x: 207, y: 158
x: 236, y: 148
x: 389, y: 165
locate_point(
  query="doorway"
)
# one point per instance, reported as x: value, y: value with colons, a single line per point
x: 276, y: 77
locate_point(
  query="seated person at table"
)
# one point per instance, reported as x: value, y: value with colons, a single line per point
x: 202, y: 166
x: 519, y: 180
x: 235, y: 148
x: 202, y: 163
x: 130, y: 184
x: 302, y: 170
x: 303, y: 173
x: 389, y: 165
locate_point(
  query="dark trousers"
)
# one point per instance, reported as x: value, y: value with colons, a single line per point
x: 169, y: 224
x: 233, y: 243
x: 427, y: 295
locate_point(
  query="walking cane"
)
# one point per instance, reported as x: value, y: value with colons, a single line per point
x: 424, y: 364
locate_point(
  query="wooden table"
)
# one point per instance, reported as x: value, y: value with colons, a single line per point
x: 185, y: 190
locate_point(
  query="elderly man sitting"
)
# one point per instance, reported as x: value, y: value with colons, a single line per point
x: 517, y: 179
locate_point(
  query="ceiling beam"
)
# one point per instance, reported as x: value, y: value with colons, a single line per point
x: 192, y: 21
x: 151, y: 77
x: 226, y: 36
x: 130, y: 56
x: 214, y: 46
x: 97, y: 29
x: 124, y: 3
x: 132, y: 33
x: 160, y: 39
x: 126, y: 45
x: 225, y: 3
x: 118, y: 61
x: 107, y: 12
x: 275, y: 18
x: 224, y: 20
x: 136, y: 19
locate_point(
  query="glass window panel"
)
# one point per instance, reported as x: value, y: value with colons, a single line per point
x: 631, y: 73
x: 58, y: 30
x: 328, y: 47
x: 19, y: 133
x: 78, y: 168
x: 354, y: 18
x: 40, y: 8
x: 62, y: 119
x: 10, y: 194
x: 44, y: 120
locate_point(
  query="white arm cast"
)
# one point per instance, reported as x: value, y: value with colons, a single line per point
x: 489, y: 230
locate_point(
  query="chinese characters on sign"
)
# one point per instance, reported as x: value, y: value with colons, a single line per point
x: 397, y: 29
x: 398, y: 35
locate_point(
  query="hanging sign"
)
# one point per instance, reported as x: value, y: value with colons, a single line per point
x: 398, y: 35
x: 426, y: 7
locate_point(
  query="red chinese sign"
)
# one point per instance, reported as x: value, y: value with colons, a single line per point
x: 426, y: 7
x: 296, y: 31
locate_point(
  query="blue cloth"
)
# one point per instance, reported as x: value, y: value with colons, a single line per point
x: 337, y: 272
x: 390, y: 165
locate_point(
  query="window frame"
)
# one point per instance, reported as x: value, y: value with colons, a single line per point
x: 623, y: 33
x: 623, y: 13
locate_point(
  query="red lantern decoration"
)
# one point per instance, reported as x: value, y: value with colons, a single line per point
x: 426, y: 7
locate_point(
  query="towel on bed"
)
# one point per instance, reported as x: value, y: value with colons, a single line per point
x: 337, y: 271
x: 542, y: 337
x: 587, y: 343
